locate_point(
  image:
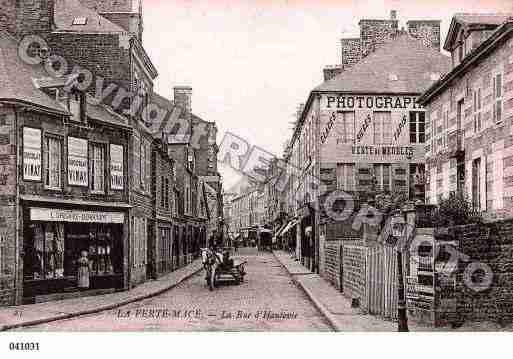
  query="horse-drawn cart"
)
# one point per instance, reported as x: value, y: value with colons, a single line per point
x: 219, y: 269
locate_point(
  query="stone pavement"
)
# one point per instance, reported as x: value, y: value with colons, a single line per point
x: 267, y: 301
x: 332, y: 304
x: 34, y: 314
x: 337, y: 308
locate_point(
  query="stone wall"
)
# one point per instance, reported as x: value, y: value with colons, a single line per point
x: 105, y: 55
x: 491, y: 245
x: 7, y: 207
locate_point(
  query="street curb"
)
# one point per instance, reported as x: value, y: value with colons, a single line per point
x: 320, y: 307
x: 98, y: 309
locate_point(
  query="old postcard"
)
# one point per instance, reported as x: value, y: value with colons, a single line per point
x: 264, y: 166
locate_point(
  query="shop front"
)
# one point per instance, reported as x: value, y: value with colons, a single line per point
x: 56, y: 241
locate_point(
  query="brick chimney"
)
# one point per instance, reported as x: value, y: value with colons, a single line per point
x: 8, y: 16
x: 428, y: 31
x: 393, y: 14
x: 34, y: 17
x: 182, y: 97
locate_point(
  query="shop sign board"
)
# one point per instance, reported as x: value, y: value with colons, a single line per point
x: 77, y: 162
x: 65, y: 215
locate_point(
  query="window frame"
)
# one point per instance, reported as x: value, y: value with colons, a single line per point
x: 92, y: 163
x: 477, y: 110
x: 380, y: 179
x: 417, y: 124
x: 342, y: 124
x: 498, y: 100
x: 381, y: 140
x: 47, y: 138
x: 343, y: 177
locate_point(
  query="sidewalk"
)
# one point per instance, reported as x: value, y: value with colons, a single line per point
x: 332, y: 304
x: 34, y: 314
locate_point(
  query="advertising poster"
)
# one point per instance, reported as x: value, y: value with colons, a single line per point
x: 77, y: 162
x: 31, y: 154
x: 116, y: 167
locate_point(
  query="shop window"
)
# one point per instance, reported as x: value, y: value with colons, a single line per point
x: 497, y: 95
x: 382, y: 128
x: 53, y: 248
x: 417, y: 127
x: 382, y: 174
x: 477, y: 110
x: 44, y: 257
x: 346, y: 177
x: 53, y: 158
x: 346, y: 127
x: 97, y: 167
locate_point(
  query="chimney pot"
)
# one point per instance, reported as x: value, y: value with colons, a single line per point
x: 182, y: 97
x: 393, y: 15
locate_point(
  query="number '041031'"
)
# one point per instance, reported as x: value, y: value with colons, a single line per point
x: 24, y: 346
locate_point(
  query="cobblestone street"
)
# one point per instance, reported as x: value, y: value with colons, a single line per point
x: 267, y: 289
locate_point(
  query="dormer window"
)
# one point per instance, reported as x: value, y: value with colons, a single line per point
x: 80, y: 21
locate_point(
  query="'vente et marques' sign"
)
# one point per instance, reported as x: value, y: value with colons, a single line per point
x: 406, y: 151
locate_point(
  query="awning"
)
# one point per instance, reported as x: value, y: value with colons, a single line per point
x: 278, y: 232
x: 289, y: 226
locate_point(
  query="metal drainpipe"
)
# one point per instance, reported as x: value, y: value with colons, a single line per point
x: 129, y: 182
x: 17, y: 206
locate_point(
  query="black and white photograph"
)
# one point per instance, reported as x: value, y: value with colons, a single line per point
x: 231, y: 166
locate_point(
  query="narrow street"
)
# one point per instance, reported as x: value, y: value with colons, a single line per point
x: 252, y: 306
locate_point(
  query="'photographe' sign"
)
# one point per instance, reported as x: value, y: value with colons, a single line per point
x: 77, y: 162
x: 31, y: 154
x: 116, y: 167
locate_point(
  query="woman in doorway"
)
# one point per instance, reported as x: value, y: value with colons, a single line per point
x: 83, y: 271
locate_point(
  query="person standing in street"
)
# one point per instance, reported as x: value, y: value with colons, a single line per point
x: 83, y: 271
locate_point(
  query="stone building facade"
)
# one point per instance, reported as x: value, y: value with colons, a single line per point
x: 66, y: 172
x: 362, y: 133
x: 469, y: 116
x: 80, y: 169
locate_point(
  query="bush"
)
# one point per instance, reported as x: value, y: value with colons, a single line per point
x: 457, y: 209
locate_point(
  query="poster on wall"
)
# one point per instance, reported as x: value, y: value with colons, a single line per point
x: 116, y: 167
x: 77, y: 162
x: 31, y: 154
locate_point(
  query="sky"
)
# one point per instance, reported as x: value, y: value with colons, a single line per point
x: 251, y: 63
